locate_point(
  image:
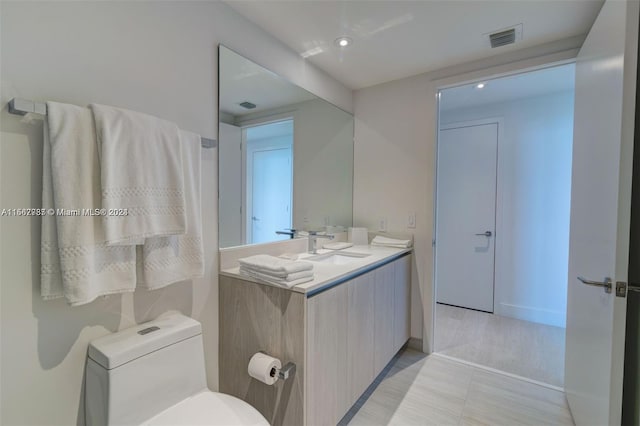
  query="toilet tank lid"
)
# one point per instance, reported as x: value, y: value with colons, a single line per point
x: 126, y: 345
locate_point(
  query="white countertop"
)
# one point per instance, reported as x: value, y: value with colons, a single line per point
x: 325, y: 275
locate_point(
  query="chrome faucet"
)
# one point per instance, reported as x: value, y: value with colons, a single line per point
x: 313, y: 237
x: 288, y: 231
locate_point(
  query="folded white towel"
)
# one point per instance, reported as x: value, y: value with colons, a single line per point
x: 291, y: 277
x: 274, y: 280
x: 166, y: 260
x: 381, y: 241
x: 76, y: 262
x: 142, y: 172
x: 274, y: 265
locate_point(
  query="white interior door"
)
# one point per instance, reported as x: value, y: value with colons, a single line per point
x: 271, y: 177
x: 466, y: 211
x: 600, y: 214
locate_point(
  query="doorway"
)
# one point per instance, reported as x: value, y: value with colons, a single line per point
x: 269, y: 180
x: 502, y: 222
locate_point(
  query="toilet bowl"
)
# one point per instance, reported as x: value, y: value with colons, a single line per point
x: 154, y: 374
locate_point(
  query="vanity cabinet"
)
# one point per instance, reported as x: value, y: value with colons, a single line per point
x: 353, y: 331
x: 340, y: 339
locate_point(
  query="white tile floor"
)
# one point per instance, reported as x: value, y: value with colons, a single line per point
x: 523, y: 348
x: 416, y: 389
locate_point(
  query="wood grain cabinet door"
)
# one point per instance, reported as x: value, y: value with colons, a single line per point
x: 384, y: 316
x: 327, y: 393
x: 360, y: 343
x: 402, y: 302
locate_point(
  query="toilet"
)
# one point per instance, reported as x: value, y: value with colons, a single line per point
x: 154, y: 374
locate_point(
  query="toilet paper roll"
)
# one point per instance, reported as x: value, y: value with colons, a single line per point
x: 359, y: 236
x: 264, y: 368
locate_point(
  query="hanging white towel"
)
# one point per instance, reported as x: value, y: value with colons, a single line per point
x: 166, y: 260
x: 50, y: 275
x: 142, y: 172
x: 76, y: 262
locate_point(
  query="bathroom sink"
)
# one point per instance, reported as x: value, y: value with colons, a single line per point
x: 337, y: 258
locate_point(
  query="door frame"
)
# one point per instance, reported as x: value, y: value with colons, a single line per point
x: 497, y: 224
x: 483, y: 74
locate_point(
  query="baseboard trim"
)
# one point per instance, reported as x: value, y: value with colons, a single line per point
x: 415, y: 344
x: 494, y: 370
x: 531, y: 314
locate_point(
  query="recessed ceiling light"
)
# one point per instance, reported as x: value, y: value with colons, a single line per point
x: 343, y: 41
x: 480, y: 85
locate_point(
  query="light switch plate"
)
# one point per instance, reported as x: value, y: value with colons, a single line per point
x: 382, y: 224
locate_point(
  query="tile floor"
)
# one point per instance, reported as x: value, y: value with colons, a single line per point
x: 416, y: 389
x: 523, y: 348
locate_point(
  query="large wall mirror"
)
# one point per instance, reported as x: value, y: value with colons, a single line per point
x: 285, y: 157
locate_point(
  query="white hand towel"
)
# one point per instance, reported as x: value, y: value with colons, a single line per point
x: 76, y: 262
x: 273, y: 280
x: 142, y: 172
x: 273, y: 265
x: 381, y: 241
x: 291, y: 277
x: 166, y: 260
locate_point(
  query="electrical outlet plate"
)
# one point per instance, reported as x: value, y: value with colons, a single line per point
x: 411, y: 221
x: 382, y: 224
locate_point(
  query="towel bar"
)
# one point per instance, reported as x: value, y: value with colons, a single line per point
x: 20, y: 106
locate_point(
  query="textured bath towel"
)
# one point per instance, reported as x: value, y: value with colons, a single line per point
x: 304, y: 277
x: 291, y: 277
x: 275, y: 266
x: 76, y: 262
x: 166, y: 260
x: 381, y: 241
x: 142, y: 173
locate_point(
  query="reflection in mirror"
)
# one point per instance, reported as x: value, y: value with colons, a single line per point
x: 285, y: 157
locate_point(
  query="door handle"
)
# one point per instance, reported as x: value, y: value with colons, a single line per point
x: 485, y: 234
x: 607, y: 283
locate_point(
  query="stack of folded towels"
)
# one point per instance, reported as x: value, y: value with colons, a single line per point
x: 381, y: 241
x: 275, y: 270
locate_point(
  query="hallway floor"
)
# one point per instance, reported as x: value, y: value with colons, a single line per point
x: 526, y: 349
x: 416, y: 389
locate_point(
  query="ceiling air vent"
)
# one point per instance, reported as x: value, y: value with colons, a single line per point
x: 247, y: 105
x: 505, y: 36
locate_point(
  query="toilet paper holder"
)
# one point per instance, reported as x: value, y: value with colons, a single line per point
x: 286, y: 371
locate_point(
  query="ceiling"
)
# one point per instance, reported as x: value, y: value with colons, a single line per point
x: 519, y: 86
x: 393, y: 39
x: 243, y: 80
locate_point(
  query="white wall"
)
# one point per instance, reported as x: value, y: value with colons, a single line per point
x: 393, y: 170
x: 395, y: 139
x: 533, y: 202
x: 156, y: 57
x: 230, y: 185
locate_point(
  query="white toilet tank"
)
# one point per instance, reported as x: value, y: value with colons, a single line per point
x: 136, y: 373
